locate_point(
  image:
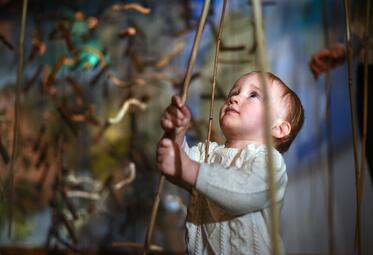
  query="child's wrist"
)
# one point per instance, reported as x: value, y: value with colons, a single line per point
x: 190, y: 172
x: 179, y: 139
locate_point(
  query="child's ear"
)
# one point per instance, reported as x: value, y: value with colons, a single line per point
x: 280, y: 129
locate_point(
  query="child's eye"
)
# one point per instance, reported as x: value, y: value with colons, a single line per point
x: 254, y: 94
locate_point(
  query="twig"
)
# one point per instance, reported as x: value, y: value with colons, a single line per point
x: 354, y: 135
x: 224, y: 47
x: 124, y: 108
x: 97, y: 76
x: 365, y: 112
x: 133, y: 6
x: 6, y: 42
x: 188, y: 75
x: 56, y: 67
x: 217, y: 51
x: 263, y: 66
x: 69, y: 227
x: 69, y: 204
x: 128, y: 180
x: 68, y: 40
x: 33, y: 79
x: 365, y: 100
x: 83, y: 194
x: 21, y: 51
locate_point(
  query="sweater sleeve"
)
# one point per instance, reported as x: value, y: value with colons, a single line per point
x: 245, y: 189
x: 197, y: 152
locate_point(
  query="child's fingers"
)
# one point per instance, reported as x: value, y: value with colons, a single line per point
x: 164, y: 150
x: 181, y: 107
x: 185, y: 111
x: 178, y: 113
x: 165, y: 143
x: 166, y: 121
x: 176, y: 100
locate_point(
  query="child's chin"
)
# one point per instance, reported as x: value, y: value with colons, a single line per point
x: 226, y: 126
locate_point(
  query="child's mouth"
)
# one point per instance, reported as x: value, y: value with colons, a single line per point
x: 231, y: 110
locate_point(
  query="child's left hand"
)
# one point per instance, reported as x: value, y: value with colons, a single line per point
x: 175, y: 163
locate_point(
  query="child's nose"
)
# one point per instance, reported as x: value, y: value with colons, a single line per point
x: 234, y: 99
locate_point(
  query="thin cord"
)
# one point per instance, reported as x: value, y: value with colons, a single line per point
x: 365, y: 106
x: 216, y: 59
x: 188, y: 75
x: 352, y: 107
x: 263, y: 66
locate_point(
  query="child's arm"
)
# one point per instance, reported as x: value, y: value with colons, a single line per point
x: 245, y: 189
x: 175, y: 163
x: 171, y: 159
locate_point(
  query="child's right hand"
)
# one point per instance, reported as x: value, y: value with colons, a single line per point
x: 176, y: 116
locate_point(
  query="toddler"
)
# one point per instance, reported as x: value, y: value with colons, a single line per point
x: 228, y: 211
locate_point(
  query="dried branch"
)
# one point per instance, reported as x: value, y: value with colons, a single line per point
x: 17, y: 106
x: 213, y: 87
x: 132, y: 6
x: 33, y: 79
x: 125, y: 107
x: 130, y: 178
x: 6, y: 42
x: 187, y: 79
x: 98, y: 75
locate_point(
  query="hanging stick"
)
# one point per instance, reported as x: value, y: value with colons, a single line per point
x: 263, y: 66
x: 21, y: 53
x: 365, y: 109
x: 352, y: 107
x: 188, y: 75
x: 365, y: 98
x: 217, y: 51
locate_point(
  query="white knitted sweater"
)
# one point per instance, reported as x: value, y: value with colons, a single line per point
x: 228, y: 212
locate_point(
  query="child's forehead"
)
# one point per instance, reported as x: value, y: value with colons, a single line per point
x: 254, y: 80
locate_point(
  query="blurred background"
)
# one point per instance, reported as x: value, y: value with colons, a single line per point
x: 97, y: 77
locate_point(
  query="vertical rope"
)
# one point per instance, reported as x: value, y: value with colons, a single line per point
x: 188, y: 75
x: 365, y: 104
x: 352, y: 107
x: 263, y: 66
x: 216, y: 59
x: 192, y: 58
x: 21, y: 53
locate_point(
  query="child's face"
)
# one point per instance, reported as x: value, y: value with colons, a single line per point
x: 241, y: 116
